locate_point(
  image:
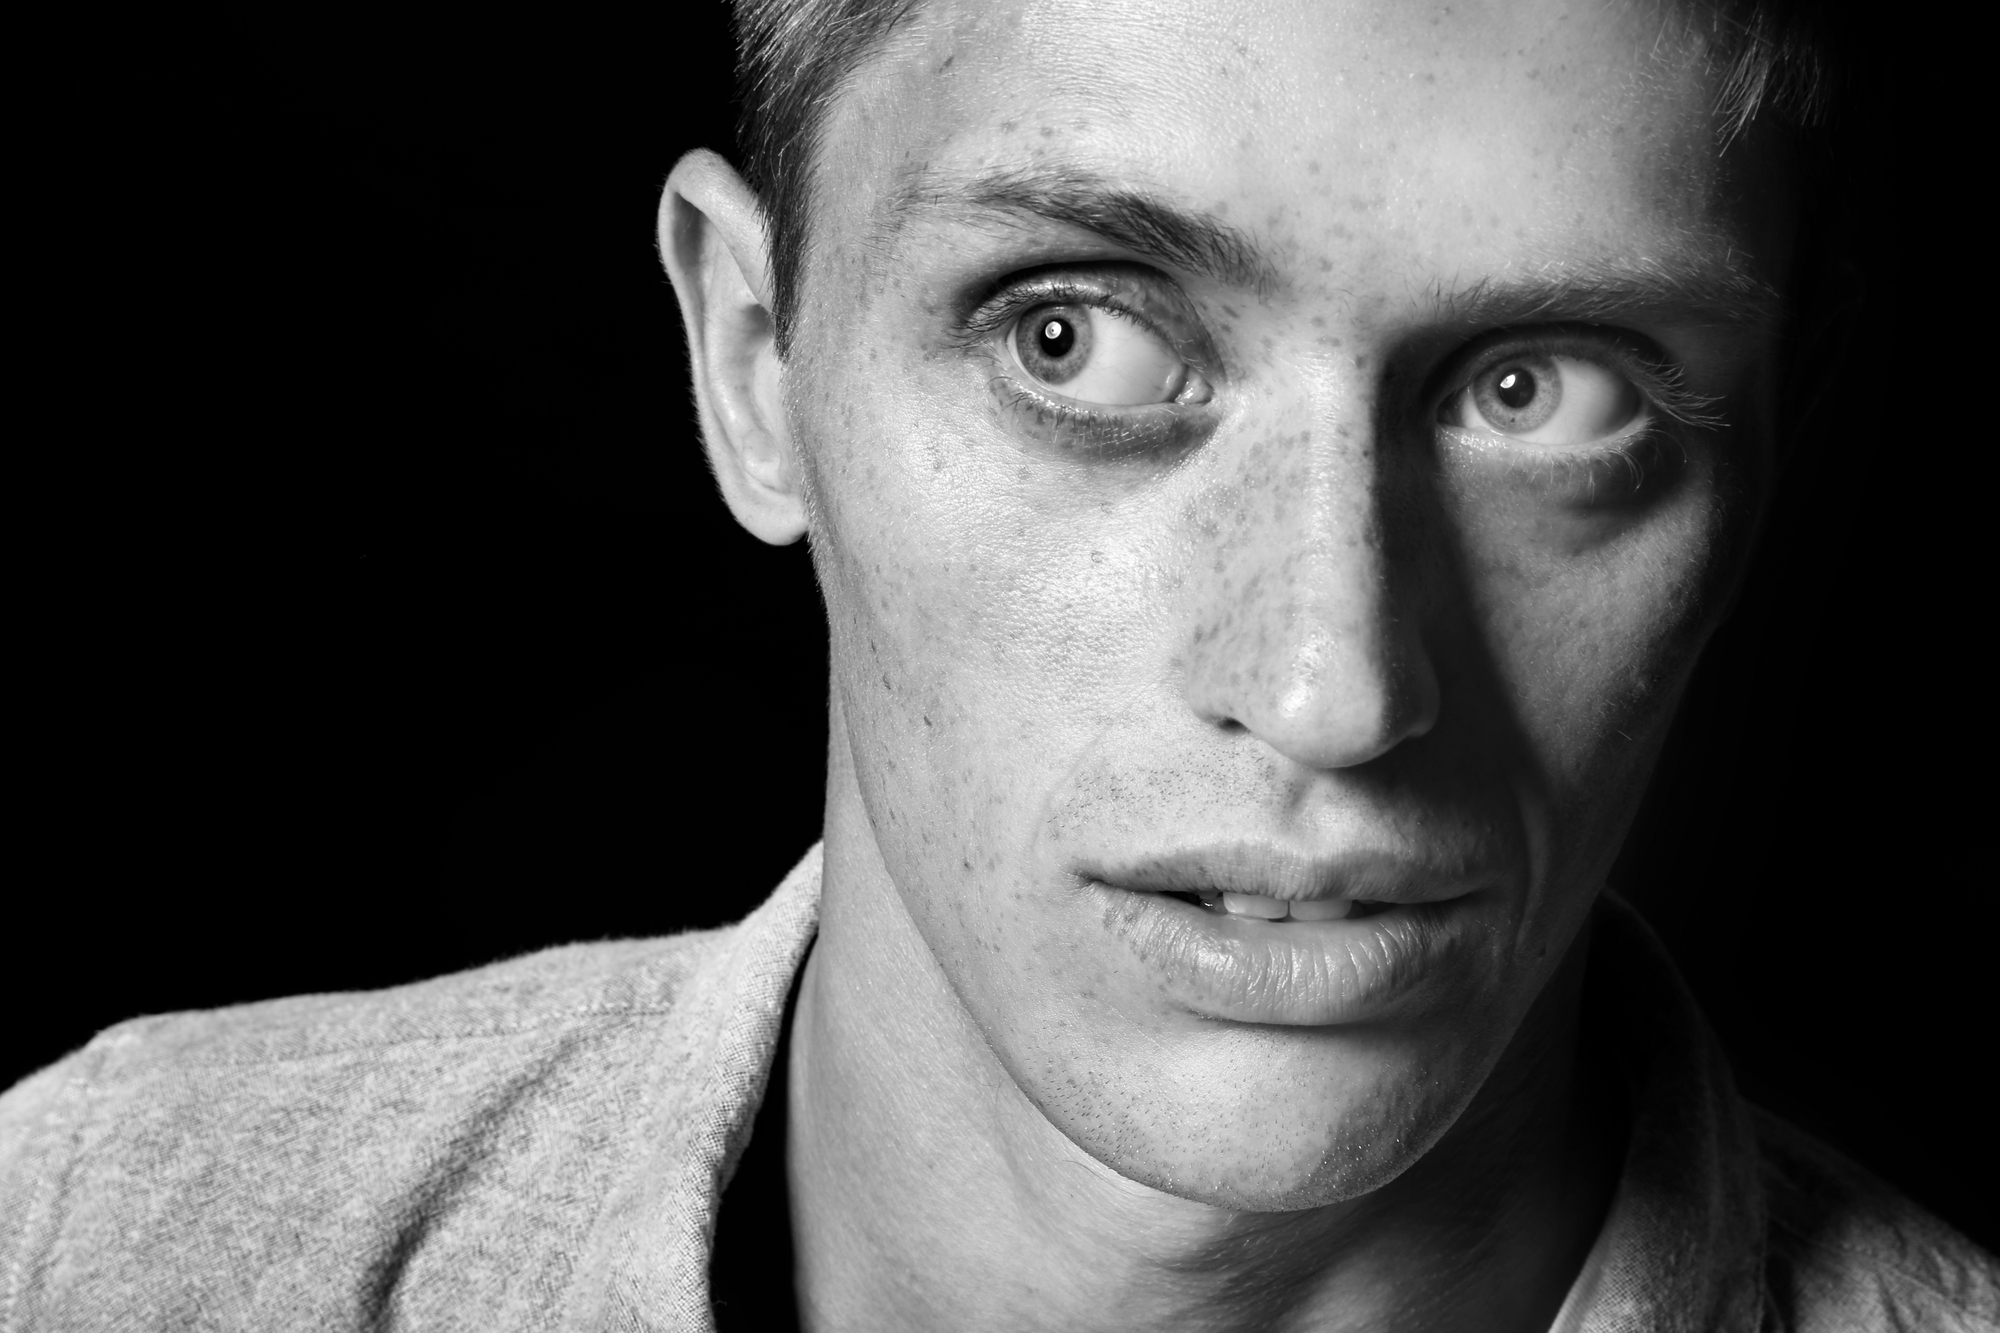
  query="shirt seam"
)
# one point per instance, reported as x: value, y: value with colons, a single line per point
x: 621, y: 1015
x: 36, y: 1249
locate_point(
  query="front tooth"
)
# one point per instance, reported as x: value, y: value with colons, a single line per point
x: 1255, y: 904
x: 1322, y: 909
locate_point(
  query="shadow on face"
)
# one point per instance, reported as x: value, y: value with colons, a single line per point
x: 1272, y: 470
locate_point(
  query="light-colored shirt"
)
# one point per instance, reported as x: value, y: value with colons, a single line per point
x: 543, y: 1143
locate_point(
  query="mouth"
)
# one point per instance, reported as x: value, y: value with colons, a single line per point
x: 1258, y: 907
x: 1255, y: 933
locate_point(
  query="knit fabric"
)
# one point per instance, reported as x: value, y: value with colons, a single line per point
x: 542, y: 1144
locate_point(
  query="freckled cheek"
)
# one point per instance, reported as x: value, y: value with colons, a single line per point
x: 971, y: 606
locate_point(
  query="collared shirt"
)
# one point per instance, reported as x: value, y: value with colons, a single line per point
x: 544, y: 1144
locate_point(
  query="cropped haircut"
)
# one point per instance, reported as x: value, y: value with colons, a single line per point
x: 796, y: 57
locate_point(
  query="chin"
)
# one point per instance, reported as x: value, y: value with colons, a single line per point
x: 1270, y: 1146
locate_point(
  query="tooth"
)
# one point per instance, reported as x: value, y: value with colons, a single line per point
x: 1254, y: 904
x: 1322, y: 909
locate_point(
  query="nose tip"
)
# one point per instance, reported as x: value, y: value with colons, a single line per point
x: 1347, y: 703
x: 1328, y: 698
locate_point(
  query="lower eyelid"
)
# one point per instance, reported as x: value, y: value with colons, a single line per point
x: 1645, y: 422
x: 1109, y: 435
x: 1618, y: 470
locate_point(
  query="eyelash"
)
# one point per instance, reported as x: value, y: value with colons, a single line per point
x: 1659, y: 381
x: 997, y: 311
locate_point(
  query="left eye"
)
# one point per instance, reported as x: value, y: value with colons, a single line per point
x: 1097, y: 356
x: 1543, y: 399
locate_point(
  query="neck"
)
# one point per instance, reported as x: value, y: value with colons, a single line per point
x: 928, y: 1192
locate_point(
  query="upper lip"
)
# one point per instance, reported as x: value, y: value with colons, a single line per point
x: 1272, y: 870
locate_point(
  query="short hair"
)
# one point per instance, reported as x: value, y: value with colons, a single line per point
x: 796, y: 57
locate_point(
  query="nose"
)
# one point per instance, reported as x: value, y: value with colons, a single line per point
x: 1302, y: 632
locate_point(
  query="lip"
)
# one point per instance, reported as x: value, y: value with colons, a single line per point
x: 1292, y: 973
x: 1272, y: 870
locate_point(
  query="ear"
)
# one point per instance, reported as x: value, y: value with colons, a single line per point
x: 713, y: 243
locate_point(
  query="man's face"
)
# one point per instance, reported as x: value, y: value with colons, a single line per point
x: 1243, y: 450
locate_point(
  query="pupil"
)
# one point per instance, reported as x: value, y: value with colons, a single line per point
x: 1056, y: 338
x: 1516, y: 388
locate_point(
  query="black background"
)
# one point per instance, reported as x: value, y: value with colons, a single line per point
x: 379, y: 617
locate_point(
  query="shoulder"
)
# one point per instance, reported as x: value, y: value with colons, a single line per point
x: 1845, y: 1250
x: 305, y: 1135
x: 576, y: 985
x: 465, y: 1023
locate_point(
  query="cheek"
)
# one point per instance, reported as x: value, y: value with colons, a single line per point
x: 1593, y: 638
x: 976, y: 629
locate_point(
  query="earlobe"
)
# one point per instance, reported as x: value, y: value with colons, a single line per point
x: 714, y: 246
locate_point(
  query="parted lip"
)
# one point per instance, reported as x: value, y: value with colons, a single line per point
x: 1274, y: 870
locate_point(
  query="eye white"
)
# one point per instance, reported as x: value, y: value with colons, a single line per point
x: 1096, y: 356
x: 1574, y: 401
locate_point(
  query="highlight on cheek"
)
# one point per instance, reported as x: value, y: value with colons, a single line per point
x: 1097, y: 356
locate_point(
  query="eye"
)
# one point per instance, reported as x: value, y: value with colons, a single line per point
x: 1097, y: 356
x: 1539, y: 398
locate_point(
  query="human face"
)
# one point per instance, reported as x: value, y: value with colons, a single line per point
x: 1289, y: 450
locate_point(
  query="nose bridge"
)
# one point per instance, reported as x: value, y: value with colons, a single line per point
x: 1299, y: 636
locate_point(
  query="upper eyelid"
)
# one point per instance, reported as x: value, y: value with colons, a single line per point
x: 1001, y: 310
x: 1013, y: 296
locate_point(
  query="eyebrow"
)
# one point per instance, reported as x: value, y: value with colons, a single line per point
x: 1685, y: 285
x: 1131, y: 219
x: 1688, y: 284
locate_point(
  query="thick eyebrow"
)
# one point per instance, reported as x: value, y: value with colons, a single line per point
x: 1684, y: 287
x: 1130, y: 219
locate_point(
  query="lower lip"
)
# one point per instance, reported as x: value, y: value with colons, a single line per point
x: 1296, y: 973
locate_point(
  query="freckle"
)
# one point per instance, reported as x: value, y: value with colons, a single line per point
x: 1048, y: 131
x: 1319, y: 321
x: 1009, y: 126
x: 1312, y: 168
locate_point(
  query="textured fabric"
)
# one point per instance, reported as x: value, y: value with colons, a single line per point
x: 542, y: 1144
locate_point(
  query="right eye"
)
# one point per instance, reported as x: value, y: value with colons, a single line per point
x: 1096, y: 356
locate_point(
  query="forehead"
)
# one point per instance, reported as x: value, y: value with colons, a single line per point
x: 1420, y: 142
